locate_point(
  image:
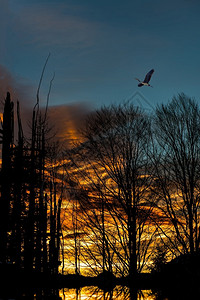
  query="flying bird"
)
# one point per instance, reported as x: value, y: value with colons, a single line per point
x: 146, y: 79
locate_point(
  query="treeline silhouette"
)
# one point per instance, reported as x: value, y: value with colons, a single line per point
x: 133, y: 183
x: 137, y: 182
x: 30, y: 205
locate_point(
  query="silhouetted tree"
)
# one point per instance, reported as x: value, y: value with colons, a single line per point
x: 113, y: 161
x: 55, y: 183
x: 27, y: 233
x: 6, y: 174
x: 18, y: 182
x: 177, y: 164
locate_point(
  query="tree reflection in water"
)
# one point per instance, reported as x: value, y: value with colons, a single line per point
x: 95, y: 293
x: 118, y: 293
x: 15, y: 293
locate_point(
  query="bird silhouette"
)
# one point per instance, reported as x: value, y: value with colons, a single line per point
x: 146, y: 79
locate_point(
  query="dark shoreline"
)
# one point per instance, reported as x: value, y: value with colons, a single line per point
x: 19, y: 283
x: 19, y: 278
x: 178, y: 278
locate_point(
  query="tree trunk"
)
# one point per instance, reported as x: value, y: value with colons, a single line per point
x: 6, y: 174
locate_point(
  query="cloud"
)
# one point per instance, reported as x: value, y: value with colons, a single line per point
x: 67, y: 120
x: 18, y: 90
x: 52, y: 25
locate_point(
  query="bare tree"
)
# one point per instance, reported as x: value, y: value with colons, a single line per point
x: 177, y: 165
x: 6, y: 171
x: 113, y: 161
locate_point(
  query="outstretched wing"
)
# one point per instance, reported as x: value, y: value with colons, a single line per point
x: 138, y: 79
x: 148, y: 76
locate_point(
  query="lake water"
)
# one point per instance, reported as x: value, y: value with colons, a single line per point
x: 85, y: 293
x: 95, y: 293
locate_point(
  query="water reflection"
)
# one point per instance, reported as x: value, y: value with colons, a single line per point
x: 118, y: 293
x: 85, y: 293
x: 95, y: 293
x: 16, y: 293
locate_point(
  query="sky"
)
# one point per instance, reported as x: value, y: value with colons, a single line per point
x: 97, y: 48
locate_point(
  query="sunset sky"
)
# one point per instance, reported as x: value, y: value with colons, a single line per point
x: 98, y: 48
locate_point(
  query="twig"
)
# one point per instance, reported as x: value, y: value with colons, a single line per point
x: 40, y: 82
x: 48, y: 95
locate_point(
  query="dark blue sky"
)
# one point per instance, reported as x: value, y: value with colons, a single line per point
x: 98, y: 47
